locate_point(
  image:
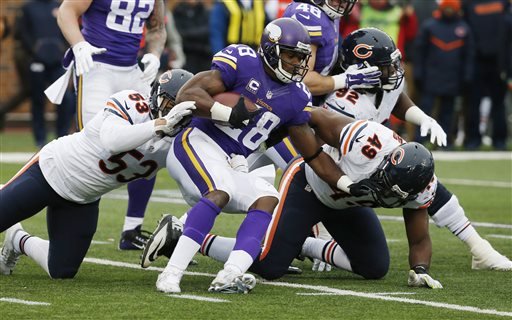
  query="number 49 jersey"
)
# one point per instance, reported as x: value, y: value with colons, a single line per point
x: 363, y: 146
x: 81, y: 168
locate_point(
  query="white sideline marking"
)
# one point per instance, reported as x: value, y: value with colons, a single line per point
x: 101, y: 242
x: 478, y: 183
x: 477, y: 224
x: 386, y: 298
x: 27, y: 302
x: 200, y: 298
x: 335, y: 294
x: 324, y: 289
x: 501, y: 236
x: 22, y: 157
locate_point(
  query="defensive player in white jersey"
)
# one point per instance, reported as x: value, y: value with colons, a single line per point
x: 126, y: 141
x: 387, y: 173
x: 373, y: 47
x: 105, y: 55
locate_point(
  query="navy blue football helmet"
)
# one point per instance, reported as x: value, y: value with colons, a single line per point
x: 373, y: 47
x: 165, y: 90
x: 286, y: 35
x: 402, y: 175
x: 335, y: 8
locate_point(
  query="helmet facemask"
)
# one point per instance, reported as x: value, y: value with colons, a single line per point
x: 393, y: 73
x: 161, y: 102
x: 280, y: 57
x: 335, y: 9
x: 389, y: 194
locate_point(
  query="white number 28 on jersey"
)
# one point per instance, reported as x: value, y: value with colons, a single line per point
x: 122, y: 18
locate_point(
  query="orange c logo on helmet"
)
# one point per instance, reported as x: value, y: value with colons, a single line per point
x: 397, y: 156
x: 362, y: 51
x: 165, y: 77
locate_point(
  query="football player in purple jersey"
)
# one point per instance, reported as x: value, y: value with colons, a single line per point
x: 105, y: 61
x: 199, y: 159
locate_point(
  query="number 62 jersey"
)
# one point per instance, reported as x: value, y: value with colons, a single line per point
x: 117, y: 146
x: 363, y: 146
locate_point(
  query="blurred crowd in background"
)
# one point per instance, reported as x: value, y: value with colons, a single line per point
x: 457, y: 55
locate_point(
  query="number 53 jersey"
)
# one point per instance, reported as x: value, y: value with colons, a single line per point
x: 117, y: 146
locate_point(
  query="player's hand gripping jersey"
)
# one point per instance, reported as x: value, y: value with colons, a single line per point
x: 117, y: 146
x: 243, y: 72
x: 363, y: 146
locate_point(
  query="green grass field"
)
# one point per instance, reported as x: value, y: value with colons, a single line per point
x: 110, y: 285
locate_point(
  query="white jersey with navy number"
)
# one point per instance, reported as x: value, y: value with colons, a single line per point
x: 368, y: 106
x: 363, y: 146
x: 117, y: 146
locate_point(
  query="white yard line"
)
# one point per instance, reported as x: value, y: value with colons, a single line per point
x: 199, y: 298
x: 476, y: 224
x: 329, y: 290
x: 27, y: 302
x: 501, y: 236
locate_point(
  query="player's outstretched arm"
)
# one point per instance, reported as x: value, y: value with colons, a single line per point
x: 306, y: 143
x: 406, y: 110
x: 420, y: 248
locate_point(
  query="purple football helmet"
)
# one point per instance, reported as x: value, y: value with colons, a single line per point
x: 335, y: 8
x: 289, y: 37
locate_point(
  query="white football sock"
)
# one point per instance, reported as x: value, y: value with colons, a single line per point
x: 38, y: 249
x: 327, y: 251
x: 453, y: 217
x: 239, y: 260
x: 131, y: 223
x: 217, y: 247
x: 185, y: 250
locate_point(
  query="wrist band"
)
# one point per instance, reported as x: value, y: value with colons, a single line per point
x: 420, y: 269
x: 343, y: 183
x: 220, y: 112
x: 310, y: 158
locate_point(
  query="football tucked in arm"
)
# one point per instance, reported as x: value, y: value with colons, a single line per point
x: 230, y: 99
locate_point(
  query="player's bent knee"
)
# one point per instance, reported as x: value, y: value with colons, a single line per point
x: 63, y: 273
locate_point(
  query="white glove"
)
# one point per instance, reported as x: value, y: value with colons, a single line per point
x: 239, y: 163
x: 358, y: 77
x: 427, y: 124
x: 422, y: 280
x: 174, y: 117
x: 151, y: 66
x: 321, y: 232
x: 83, y: 52
x: 437, y: 134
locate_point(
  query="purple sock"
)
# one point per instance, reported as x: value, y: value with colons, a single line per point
x: 200, y: 220
x: 139, y: 192
x: 251, y: 232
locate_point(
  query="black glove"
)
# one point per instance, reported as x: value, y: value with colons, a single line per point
x: 240, y: 116
x: 363, y: 188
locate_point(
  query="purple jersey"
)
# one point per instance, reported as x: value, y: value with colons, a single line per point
x: 323, y: 32
x: 242, y: 72
x: 117, y: 26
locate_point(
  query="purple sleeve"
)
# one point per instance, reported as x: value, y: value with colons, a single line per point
x: 226, y: 62
x: 301, y: 101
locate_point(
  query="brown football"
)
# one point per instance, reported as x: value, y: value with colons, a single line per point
x: 231, y: 98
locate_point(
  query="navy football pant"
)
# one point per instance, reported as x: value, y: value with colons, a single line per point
x: 71, y: 226
x: 357, y: 230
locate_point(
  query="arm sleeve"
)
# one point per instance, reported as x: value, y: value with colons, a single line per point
x: 118, y: 135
